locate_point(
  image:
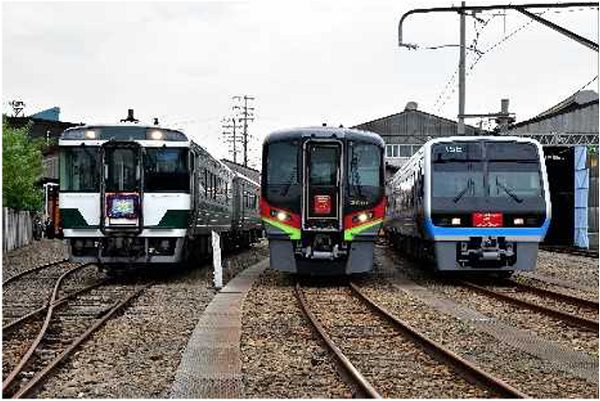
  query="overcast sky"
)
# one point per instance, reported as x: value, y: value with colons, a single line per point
x: 305, y: 62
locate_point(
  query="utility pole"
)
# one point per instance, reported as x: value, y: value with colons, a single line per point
x: 246, y: 114
x: 18, y: 106
x: 461, y: 74
x: 230, y: 125
x: 521, y: 8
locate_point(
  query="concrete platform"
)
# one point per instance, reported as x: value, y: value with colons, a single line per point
x: 211, y: 366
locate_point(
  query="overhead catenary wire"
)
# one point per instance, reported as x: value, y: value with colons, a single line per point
x: 473, y: 48
x: 486, y: 51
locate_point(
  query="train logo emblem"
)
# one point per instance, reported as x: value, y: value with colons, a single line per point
x: 322, y: 204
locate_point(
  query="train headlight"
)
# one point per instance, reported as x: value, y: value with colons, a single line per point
x: 89, y: 134
x: 282, y: 216
x: 455, y: 221
x: 156, y: 135
x: 362, y: 217
x: 518, y: 221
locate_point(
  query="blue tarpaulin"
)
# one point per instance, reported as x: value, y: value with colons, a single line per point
x: 582, y: 184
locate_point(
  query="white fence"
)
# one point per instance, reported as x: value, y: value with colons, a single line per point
x: 17, y: 229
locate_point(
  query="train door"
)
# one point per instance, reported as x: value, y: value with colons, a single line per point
x: 121, y: 187
x: 322, y: 189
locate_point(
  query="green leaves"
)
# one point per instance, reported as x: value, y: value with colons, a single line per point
x: 21, y: 168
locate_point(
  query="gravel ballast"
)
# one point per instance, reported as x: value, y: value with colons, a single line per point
x: 281, y: 356
x: 136, y: 354
x: 526, y: 372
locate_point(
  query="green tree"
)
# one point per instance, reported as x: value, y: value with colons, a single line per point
x: 21, y: 168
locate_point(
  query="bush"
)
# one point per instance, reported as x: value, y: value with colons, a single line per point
x: 21, y: 169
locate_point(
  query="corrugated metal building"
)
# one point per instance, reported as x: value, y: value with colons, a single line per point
x: 569, y: 132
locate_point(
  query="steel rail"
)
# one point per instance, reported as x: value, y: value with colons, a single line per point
x: 557, y: 295
x: 41, y: 309
x: 40, y: 376
x: 364, y: 385
x: 23, y: 361
x: 468, y: 370
x: 33, y: 270
x: 564, y: 316
x: 588, y: 253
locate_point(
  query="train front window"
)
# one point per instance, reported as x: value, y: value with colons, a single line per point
x: 516, y: 180
x: 122, y: 170
x: 364, y: 171
x: 282, y: 164
x: 165, y: 170
x: 457, y: 180
x: 323, y: 165
x: 79, y: 169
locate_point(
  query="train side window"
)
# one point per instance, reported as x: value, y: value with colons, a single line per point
x: 205, y: 183
x: 214, y: 182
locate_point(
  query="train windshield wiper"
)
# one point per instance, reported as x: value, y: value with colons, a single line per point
x: 458, y: 197
x: 509, y: 191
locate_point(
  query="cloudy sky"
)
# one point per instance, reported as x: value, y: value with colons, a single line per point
x: 305, y: 62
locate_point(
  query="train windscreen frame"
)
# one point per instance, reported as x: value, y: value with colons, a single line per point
x: 494, y: 169
x: 364, y: 175
x: 79, y: 169
x: 282, y: 175
x: 166, y: 170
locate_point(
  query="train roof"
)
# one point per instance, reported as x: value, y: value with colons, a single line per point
x: 122, y: 131
x: 324, y: 132
x: 502, y: 138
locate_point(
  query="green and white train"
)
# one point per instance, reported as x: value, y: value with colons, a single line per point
x: 135, y: 194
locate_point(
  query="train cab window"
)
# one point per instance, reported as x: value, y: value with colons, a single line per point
x: 457, y: 180
x: 458, y: 170
x: 365, y: 165
x: 282, y: 164
x: 323, y: 165
x: 79, y: 169
x: 122, y: 169
x: 165, y: 169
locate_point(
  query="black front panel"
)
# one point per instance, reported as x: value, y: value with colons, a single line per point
x: 486, y: 176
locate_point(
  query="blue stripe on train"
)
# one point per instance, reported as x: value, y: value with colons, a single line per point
x: 436, y: 232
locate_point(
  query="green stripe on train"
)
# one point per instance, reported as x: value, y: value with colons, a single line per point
x: 72, y: 218
x: 294, y: 233
x: 174, y: 219
x: 350, y: 233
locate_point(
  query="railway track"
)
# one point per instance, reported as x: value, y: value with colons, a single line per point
x: 557, y: 282
x: 379, y: 353
x: 33, y: 270
x: 581, y: 312
x: 590, y: 253
x: 69, y: 320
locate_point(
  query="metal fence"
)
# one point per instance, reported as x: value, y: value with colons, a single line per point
x: 17, y: 229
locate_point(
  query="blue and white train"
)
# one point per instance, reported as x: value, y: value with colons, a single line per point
x: 471, y: 204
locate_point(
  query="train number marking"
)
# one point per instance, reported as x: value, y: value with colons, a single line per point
x: 454, y: 149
